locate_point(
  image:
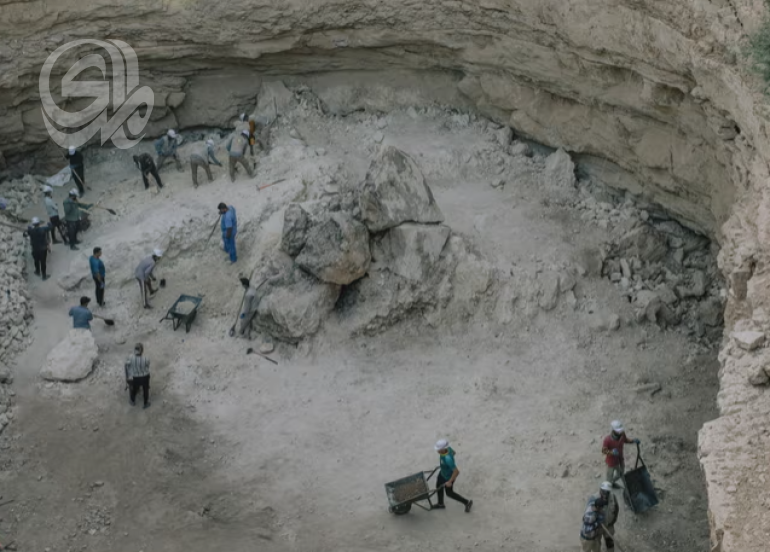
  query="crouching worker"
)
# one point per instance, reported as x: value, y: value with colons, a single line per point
x: 250, y: 304
x: 138, y: 375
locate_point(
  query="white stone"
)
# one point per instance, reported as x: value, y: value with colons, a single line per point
x: 749, y: 340
x: 72, y: 359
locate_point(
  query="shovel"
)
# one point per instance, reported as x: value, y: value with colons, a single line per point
x: 212, y: 229
x: 251, y: 351
x: 108, y: 321
x: 273, y: 184
x: 617, y: 544
x: 111, y: 211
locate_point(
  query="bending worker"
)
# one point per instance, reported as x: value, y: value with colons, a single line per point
x: 147, y: 166
x: 591, y: 530
x: 144, y: 276
x: 200, y: 158
x: 229, y: 226
x: 236, y: 148
x: 612, y: 448
x: 165, y: 147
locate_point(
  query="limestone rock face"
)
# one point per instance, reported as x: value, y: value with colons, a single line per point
x: 336, y: 250
x: 395, y: 192
x: 295, y: 224
x: 72, y: 359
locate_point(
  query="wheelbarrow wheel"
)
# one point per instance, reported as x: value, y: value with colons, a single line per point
x: 400, y: 510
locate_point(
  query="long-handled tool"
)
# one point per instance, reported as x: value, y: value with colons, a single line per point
x: 260, y: 188
x: 79, y: 180
x: 111, y: 211
x: 212, y: 229
x: 617, y: 544
x: 251, y: 351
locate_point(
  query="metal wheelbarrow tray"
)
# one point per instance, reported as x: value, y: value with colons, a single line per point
x: 639, y: 492
x: 404, y: 492
x: 177, y: 318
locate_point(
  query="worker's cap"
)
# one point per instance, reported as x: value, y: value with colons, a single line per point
x: 441, y: 444
x: 210, y: 142
x: 157, y: 252
x: 47, y: 189
x: 606, y: 486
x: 35, y: 220
x: 74, y: 192
x: 617, y: 426
x: 245, y: 132
x: 221, y: 206
x: 171, y: 133
x: 71, y: 149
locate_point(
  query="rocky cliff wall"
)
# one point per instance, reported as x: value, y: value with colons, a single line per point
x: 650, y: 94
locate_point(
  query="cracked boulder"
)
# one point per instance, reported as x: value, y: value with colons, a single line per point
x: 336, y: 250
x: 411, y: 250
x: 395, y: 192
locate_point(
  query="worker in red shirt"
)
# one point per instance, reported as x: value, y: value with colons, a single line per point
x: 612, y: 448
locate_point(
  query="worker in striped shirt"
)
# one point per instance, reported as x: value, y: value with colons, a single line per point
x: 138, y: 375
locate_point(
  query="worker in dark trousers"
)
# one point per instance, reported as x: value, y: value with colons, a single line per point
x: 39, y: 236
x: 53, y: 216
x: 78, y: 169
x: 98, y: 273
x: 72, y: 216
x: 447, y: 475
x: 145, y: 164
x: 138, y: 375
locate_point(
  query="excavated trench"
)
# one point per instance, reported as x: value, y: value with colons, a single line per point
x: 647, y: 96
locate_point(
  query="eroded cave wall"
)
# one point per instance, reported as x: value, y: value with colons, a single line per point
x: 654, y: 86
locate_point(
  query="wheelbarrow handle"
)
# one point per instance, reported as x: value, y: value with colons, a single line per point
x: 431, y: 472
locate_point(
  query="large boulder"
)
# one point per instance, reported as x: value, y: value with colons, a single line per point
x: 293, y: 307
x: 336, y: 250
x: 395, y: 192
x: 411, y: 250
x: 72, y: 359
x: 296, y: 221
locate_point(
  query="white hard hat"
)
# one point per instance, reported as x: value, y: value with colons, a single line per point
x: 157, y: 252
x: 74, y: 192
x: 606, y: 486
x: 617, y: 426
x: 35, y: 220
x: 47, y: 189
x: 210, y: 142
x: 245, y: 132
x: 441, y: 444
x: 71, y: 149
x: 171, y: 133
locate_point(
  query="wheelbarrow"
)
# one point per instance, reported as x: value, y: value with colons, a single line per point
x: 186, y: 316
x: 413, y: 489
x: 639, y: 493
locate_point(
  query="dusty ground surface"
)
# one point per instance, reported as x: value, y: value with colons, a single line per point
x: 238, y: 452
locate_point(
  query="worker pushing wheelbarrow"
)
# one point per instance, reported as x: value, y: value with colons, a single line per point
x: 414, y: 489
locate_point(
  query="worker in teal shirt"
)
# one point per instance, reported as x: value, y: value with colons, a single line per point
x: 229, y: 227
x: 447, y: 475
x: 98, y: 273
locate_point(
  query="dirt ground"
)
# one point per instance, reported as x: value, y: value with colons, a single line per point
x: 238, y: 453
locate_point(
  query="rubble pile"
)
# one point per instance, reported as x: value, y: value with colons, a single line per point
x: 667, y: 272
x: 16, y: 309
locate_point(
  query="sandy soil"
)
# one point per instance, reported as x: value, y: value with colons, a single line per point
x: 238, y: 453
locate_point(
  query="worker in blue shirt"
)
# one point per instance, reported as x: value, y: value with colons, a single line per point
x: 229, y: 226
x: 98, y: 273
x: 81, y: 316
x: 448, y: 473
